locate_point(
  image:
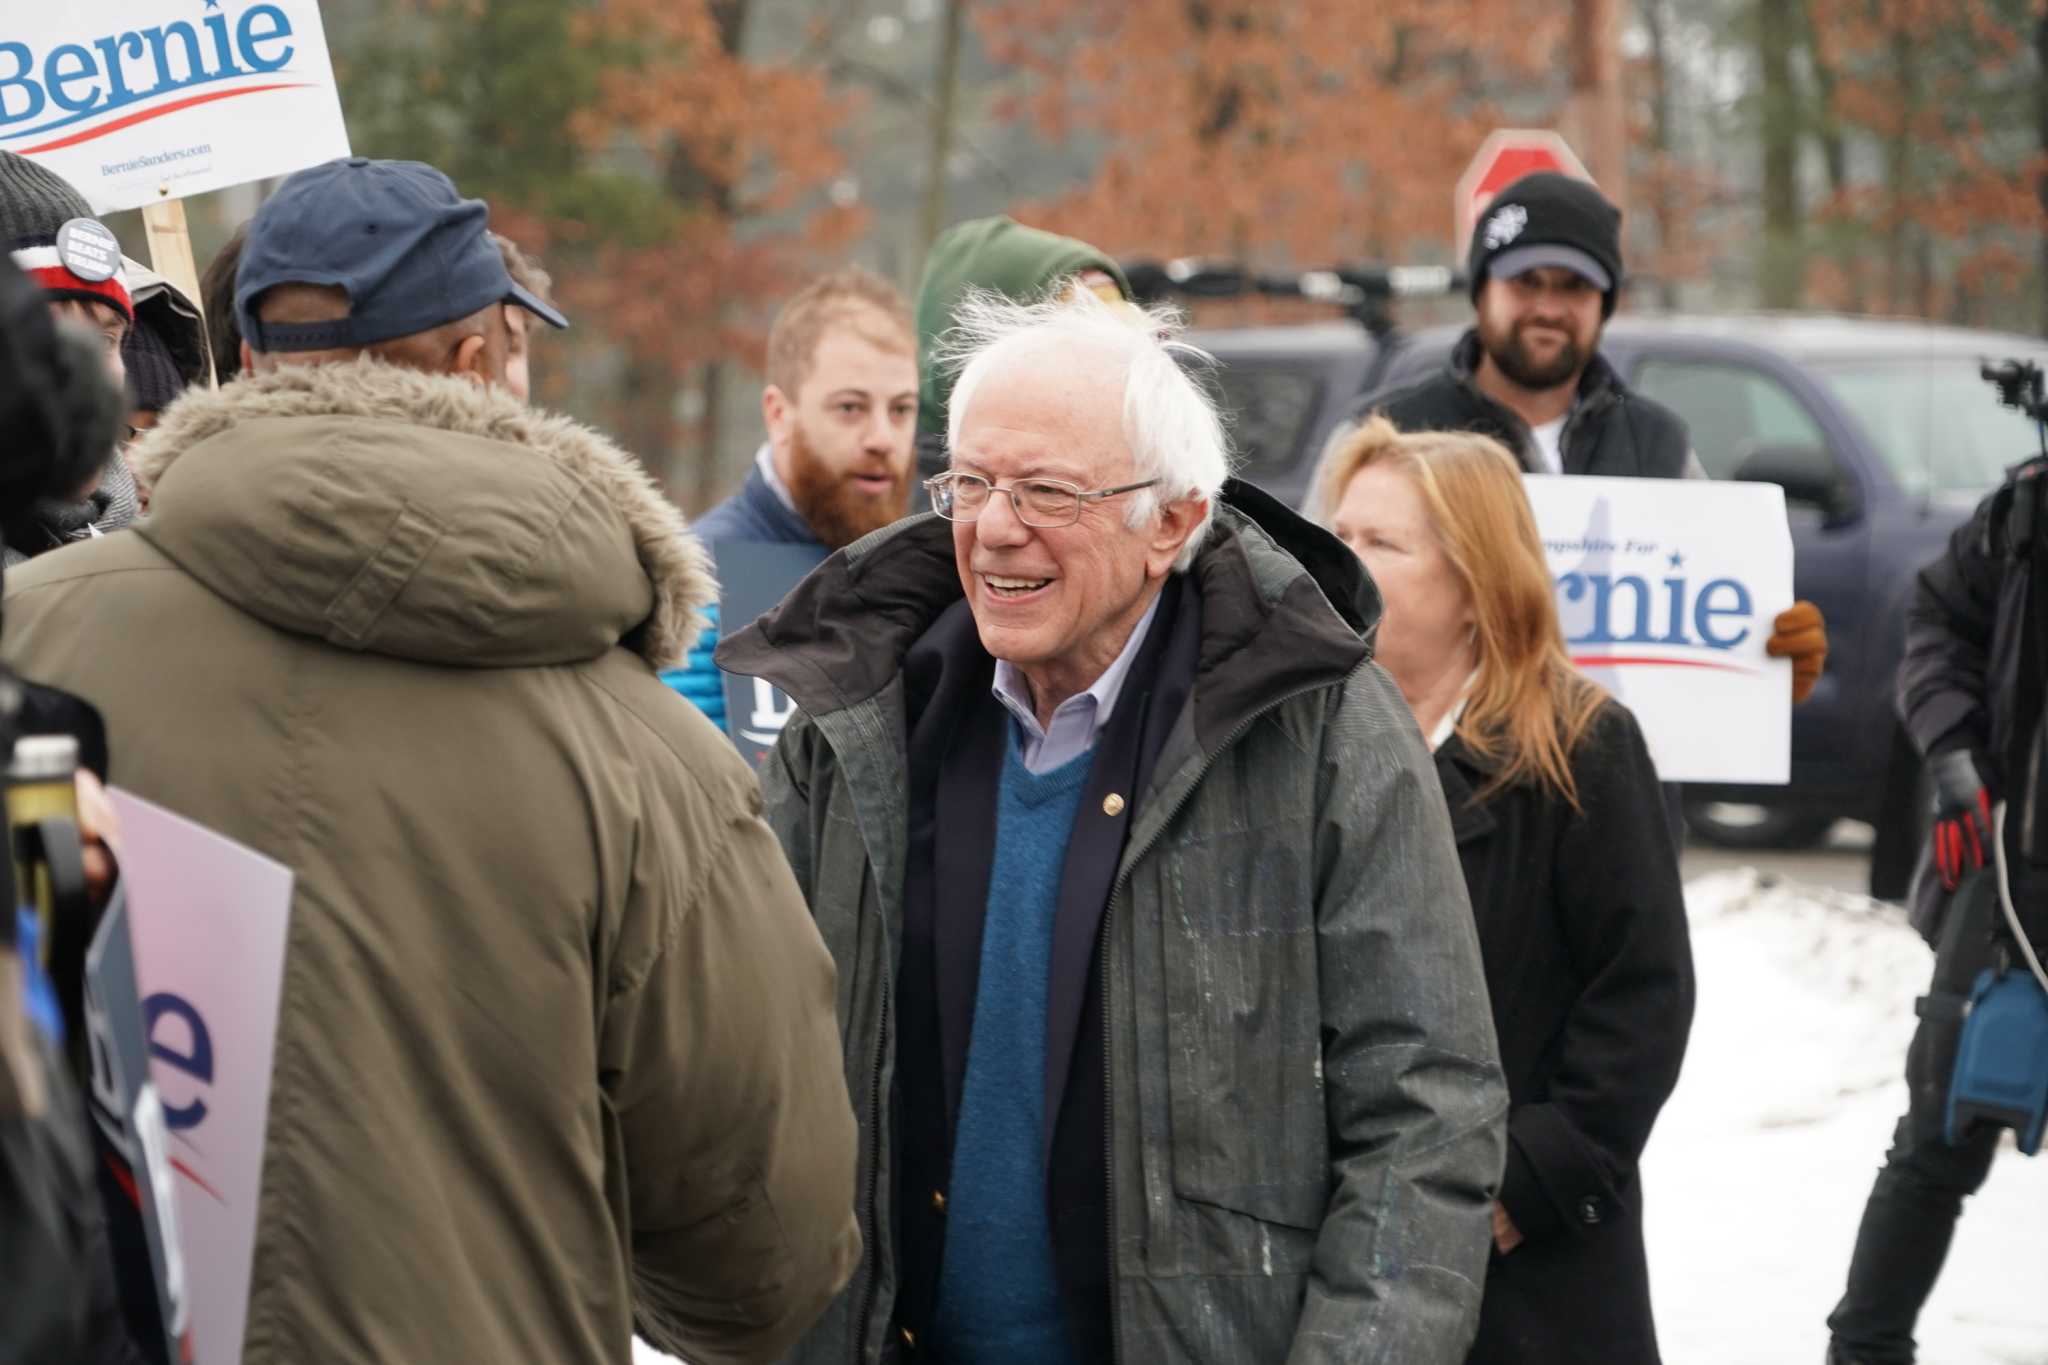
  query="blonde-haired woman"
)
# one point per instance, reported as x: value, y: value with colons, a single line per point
x: 1569, y: 861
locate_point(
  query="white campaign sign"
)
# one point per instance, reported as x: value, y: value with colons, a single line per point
x: 208, y: 922
x: 139, y: 101
x: 1666, y: 589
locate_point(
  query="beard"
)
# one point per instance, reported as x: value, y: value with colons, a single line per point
x: 839, y: 510
x: 1512, y: 355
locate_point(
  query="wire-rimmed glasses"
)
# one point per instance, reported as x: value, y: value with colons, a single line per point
x: 959, y: 496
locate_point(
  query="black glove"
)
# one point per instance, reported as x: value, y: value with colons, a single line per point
x: 1962, y: 816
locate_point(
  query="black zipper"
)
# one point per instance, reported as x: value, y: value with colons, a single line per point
x: 870, y: 1225
x: 1580, y: 414
x: 1103, y: 949
x: 1116, y: 1344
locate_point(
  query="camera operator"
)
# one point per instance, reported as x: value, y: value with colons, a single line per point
x: 57, y: 1298
x: 1970, y: 693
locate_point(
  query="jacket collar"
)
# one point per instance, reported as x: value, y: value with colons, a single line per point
x: 1597, y: 380
x: 1600, y: 387
x: 421, y: 516
x: 1285, y: 607
x: 1462, y: 775
x: 783, y: 520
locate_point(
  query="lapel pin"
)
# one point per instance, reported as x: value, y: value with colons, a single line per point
x: 1112, y: 804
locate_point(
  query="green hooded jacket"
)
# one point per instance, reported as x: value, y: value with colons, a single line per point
x: 986, y: 253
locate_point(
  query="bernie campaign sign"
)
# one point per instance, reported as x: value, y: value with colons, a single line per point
x: 135, y: 1180
x: 754, y: 576
x: 209, y: 922
x: 1666, y: 589
x: 139, y: 101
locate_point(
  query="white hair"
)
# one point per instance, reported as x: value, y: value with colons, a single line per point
x: 1171, y: 425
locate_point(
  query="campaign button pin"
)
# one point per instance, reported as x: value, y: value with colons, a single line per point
x: 1112, y: 804
x: 88, y: 250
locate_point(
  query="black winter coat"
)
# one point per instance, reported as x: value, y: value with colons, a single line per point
x: 1589, y: 966
x: 1965, y: 680
x: 1611, y: 429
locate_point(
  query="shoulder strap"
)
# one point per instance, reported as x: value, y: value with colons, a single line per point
x: 2018, y: 534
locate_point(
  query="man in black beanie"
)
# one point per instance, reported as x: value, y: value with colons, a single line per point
x: 48, y: 229
x: 1545, y: 269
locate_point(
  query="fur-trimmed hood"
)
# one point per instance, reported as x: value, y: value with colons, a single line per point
x: 423, y: 517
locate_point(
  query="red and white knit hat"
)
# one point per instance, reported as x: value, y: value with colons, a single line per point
x: 53, y: 237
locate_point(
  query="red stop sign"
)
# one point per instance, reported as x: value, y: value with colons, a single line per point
x: 1506, y: 156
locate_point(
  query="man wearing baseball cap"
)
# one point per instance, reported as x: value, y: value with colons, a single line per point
x: 1545, y: 271
x: 381, y: 258
x: 49, y: 231
x: 556, y: 1054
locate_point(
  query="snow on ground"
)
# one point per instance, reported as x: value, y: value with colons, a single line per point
x: 1756, y: 1175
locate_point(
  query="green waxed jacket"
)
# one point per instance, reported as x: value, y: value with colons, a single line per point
x: 1306, y: 1109
x: 555, y: 1052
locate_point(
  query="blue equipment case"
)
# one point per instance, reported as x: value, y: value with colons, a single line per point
x: 2001, y: 1072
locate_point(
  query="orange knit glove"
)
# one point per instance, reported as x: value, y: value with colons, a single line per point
x: 1800, y: 635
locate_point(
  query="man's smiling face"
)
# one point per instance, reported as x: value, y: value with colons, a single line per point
x: 1541, y: 326
x: 1059, y: 602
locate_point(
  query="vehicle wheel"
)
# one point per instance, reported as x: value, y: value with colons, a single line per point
x: 1733, y: 825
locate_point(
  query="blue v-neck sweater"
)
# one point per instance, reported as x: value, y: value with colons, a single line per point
x: 999, y: 1295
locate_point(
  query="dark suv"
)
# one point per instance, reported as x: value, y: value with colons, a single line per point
x: 1881, y: 432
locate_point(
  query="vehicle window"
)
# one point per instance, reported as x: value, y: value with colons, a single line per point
x: 1731, y: 410
x: 1935, y: 422
x: 1270, y: 411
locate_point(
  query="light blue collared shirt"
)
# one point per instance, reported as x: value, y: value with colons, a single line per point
x: 1077, y: 720
x: 764, y: 460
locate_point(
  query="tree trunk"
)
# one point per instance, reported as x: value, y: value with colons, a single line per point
x: 710, y: 481
x: 1923, y: 275
x: 1834, y: 152
x: 1597, y: 115
x: 646, y: 418
x: 1657, y: 21
x: 1898, y: 175
x: 932, y: 213
x: 692, y: 184
x: 2041, y: 180
x: 1777, y: 29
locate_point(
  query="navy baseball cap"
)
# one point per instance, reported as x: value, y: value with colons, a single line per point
x: 409, y: 251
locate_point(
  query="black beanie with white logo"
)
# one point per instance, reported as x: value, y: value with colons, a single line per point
x: 1549, y: 219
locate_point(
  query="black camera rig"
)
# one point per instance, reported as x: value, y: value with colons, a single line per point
x: 2020, y: 385
x: 1367, y: 294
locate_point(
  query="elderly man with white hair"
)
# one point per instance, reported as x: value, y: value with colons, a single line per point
x: 1163, y: 1013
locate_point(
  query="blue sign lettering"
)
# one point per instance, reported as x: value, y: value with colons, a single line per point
x: 1602, y: 586
x: 1704, y: 612
x: 195, y: 1061
x: 31, y: 93
x: 69, y: 65
x: 111, y: 49
x: 277, y: 28
x: 1604, y: 593
x: 107, y: 73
